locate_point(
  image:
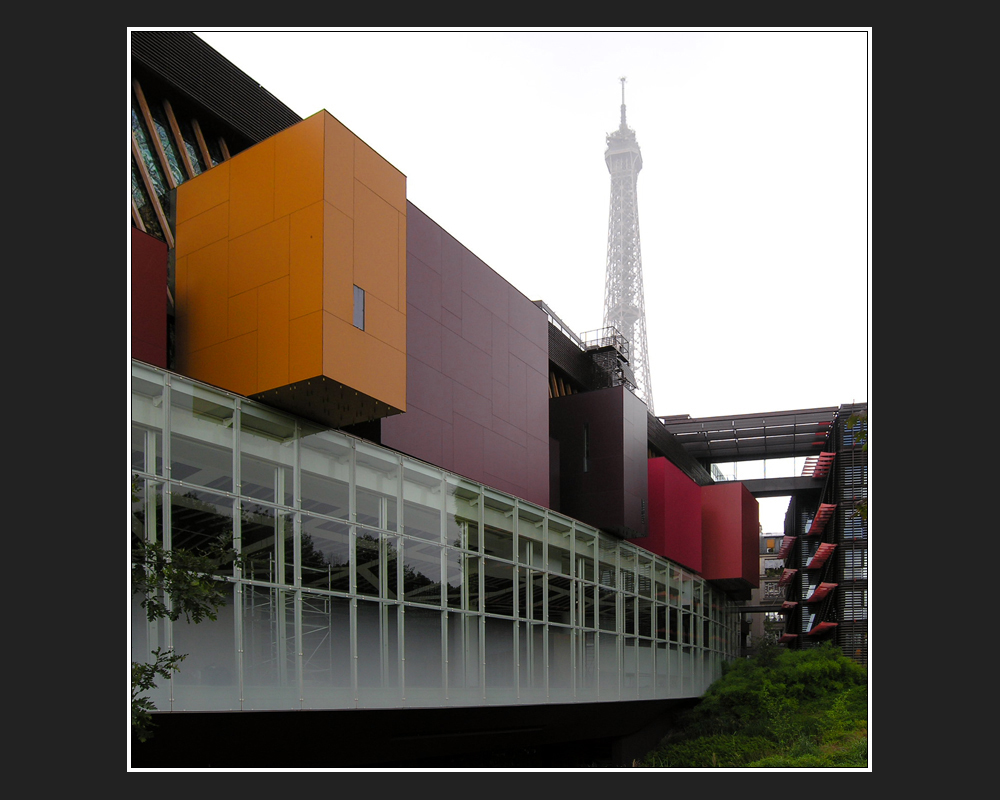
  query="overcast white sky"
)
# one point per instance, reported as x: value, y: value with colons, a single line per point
x: 753, y: 197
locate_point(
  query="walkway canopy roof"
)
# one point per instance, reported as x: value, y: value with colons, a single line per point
x: 752, y: 437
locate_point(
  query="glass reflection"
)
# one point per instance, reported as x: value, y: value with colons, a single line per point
x: 201, y: 441
x: 326, y: 554
x: 326, y: 648
x: 377, y: 477
x: 462, y: 514
x: 421, y: 572
x: 368, y: 556
x: 560, y: 599
x: 268, y: 543
x: 455, y: 577
x: 498, y: 587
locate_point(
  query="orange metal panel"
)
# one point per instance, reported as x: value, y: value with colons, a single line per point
x: 269, y: 251
x: 338, y: 165
x: 273, y: 339
x: 251, y: 199
x: 230, y: 364
x: 386, y: 383
x: 259, y: 257
x: 376, y: 246
x: 298, y: 166
x: 180, y: 284
x: 305, y: 358
x: 201, y: 230
x: 344, y: 356
x: 242, y: 315
x: 361, y: 361
x: 380, y: 176
x: 401, y: 274
x: 305, y: 268
x: 385, y: 323
x: 206, y: 298
x: 338, y: 263
x: 211, y: 192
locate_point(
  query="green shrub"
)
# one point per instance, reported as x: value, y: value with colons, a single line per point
x: 855, y: 755
x: 783, y: 708
x: 722, y: 751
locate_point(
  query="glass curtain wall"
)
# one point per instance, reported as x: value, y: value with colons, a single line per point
x: 369, y: 579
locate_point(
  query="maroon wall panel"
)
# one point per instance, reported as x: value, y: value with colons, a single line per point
x: 149, y: 299
x: 477, y: 368
x: 607, y: 486
x: 674, y: 515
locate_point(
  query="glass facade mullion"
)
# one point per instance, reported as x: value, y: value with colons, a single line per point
x: 353, y: 636
x: 167, y: 539
x: 372, y: 580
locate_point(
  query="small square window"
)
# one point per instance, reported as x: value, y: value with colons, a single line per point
x: 359, y: 308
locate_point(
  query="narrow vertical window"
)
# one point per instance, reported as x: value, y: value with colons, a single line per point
x: 359, y: 308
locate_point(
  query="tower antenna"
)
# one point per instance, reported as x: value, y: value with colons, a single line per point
x: 623, y: 79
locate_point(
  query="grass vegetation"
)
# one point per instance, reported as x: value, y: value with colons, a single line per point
x: 779, y: 709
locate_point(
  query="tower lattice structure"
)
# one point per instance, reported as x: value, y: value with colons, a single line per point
x: 624, y: 306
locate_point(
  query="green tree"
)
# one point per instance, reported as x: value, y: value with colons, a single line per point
x: 172, y: 584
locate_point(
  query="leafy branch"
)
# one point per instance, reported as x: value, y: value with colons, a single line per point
x: 144, y: 680
x: 172, y: 584
x: 175, y: 583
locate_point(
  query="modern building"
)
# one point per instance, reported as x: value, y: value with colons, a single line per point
x: 460, y: 528
x: 824, y: 545
x: 763, y: 616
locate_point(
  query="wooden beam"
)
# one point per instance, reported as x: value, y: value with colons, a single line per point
x: 151, y: 130
x: 179, y: 139
x: 153, y: 199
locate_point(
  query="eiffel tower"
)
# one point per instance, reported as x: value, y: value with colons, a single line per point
x: 624, y: 307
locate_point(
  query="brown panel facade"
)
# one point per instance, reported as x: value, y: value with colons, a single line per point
x: 602, y: 447
x: 477, y: 367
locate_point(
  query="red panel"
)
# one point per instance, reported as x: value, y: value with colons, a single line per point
x: 822, y: 628
x: 730, y: 533
x: 818, y: 466
x: 822, y: 555
x: 821, y: 591
x: 149, y: 299
x: 786, y: 576
x: 823, y: 514
x: 750, y: 536
x: 675, y: 515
